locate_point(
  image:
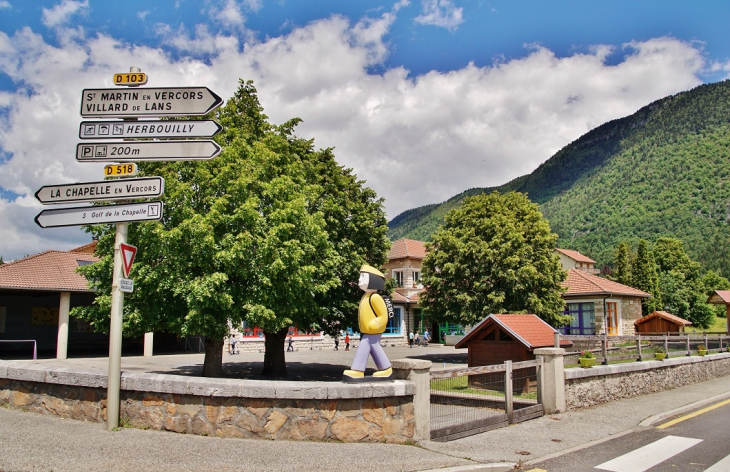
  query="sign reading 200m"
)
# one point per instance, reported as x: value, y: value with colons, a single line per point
x: 148, y: 102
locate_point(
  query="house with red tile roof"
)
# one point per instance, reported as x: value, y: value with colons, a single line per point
x: 570, y: 259
x: 36, y: 295
x: 599, y: 305
x: 661, y: 322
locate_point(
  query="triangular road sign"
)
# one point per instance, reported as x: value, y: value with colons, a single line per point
x: 128, y: 253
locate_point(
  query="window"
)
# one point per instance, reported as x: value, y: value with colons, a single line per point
x: 393, y: 326
x: 612, y: 319
x: 583, y: 321
x: 399, y: 277
x: 416, y: 276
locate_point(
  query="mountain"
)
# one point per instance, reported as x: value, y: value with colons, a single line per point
x: 663, y: 171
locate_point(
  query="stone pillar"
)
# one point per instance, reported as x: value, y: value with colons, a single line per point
x: 62, y: 342
x: 418, y: 371
x: 553, y: 379
x: 148, y: 337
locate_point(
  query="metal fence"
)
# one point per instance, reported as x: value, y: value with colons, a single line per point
x: 472, y: 400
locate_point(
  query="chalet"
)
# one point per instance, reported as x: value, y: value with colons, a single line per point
x: 570, y: 259
x: 404, y: 265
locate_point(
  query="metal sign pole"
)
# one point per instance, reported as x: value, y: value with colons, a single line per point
x: 115, y: 334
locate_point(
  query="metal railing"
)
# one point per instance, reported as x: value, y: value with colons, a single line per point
x: 35, y: 344
x: 198, y: 344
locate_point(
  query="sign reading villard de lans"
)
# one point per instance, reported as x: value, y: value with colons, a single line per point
x: 187, y: 101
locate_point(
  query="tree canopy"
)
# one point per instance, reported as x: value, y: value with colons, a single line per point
x: 270, y: 232
x: 494, y: 254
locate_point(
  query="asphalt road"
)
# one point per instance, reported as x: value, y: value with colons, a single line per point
x: 693, y: 445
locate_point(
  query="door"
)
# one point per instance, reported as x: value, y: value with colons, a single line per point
x: 612, y: 321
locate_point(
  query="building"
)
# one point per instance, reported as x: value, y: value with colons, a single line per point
x: 599, y: 305
x: 570, y: 259
x: 661, y: 322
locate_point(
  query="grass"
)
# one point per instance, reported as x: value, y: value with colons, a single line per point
x: 720, y: 324
x: 461, y: 385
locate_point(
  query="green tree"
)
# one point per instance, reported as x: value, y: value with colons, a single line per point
x: 644, y: 277
x: 494, y: 254
x: 621, y: 264
x: 270, y: 232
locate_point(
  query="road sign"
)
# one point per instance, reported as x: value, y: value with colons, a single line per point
x: 126, y: 285
x: 128, y: 253
x: 148, y: 102
x: 128, y: 189
x: 130, y: 78
x: 119, y: 170
x: 93, y: 215
x: 129, y: 151
x: 148, y: 129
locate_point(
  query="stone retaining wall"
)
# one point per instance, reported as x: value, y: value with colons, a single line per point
x: 601, y: 384
x: 368, y: 412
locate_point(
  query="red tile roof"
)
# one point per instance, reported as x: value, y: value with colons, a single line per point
x: 53, y: 271
x: 530, y: 330
x: 401, y: 295
x: 583, y: 283
x: 667, y: 316
x: 407, y: 249
x: 720, y: 297
x: 576, y: 256
x: 86, y: 248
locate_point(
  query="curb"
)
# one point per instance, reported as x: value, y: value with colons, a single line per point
x: 493, y: 467
x: 684, y: 409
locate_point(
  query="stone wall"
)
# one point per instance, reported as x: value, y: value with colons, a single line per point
x: 368, y: 412
x: 601, y: 384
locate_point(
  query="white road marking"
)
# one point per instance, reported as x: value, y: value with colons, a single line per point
x: 650, y: 455
x: 722, y: 466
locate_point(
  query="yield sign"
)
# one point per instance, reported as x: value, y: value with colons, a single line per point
x: 128, y: 253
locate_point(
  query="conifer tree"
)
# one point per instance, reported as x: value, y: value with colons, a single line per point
x: 621, y: 264
x: 644, y: 277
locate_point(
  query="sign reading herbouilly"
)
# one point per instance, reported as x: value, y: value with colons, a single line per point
x: 129, y: 189
x: 148, y: 129
x: 183, y: 101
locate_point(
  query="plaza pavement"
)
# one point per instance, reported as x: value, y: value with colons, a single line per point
x: 33, y: 441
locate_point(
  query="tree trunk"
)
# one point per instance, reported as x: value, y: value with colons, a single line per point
x: 274, y: 357
x: 213, y: 363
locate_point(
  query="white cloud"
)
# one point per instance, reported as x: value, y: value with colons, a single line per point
x: 415, y: 140
x: 441, y: 13
x: 60, y: 14
x: 5, y: 4
x: 143, y: 14
x: 230, y: 15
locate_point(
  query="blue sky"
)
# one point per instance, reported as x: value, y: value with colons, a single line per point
x: 422, y: 98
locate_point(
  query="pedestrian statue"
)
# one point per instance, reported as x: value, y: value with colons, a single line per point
x: 373, y: 316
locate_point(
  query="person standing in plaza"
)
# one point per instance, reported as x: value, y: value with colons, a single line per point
x: 290, y: 347
x: 425, y: 337
x: 337, y: 342
x: 410, y: 338
x: 417, y: 339
x: 347, y: 341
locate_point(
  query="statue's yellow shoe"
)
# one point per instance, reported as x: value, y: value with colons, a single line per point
x: 384, y: 373
x: 352, y: 375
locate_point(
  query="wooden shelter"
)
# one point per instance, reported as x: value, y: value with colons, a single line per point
x: 506, y: 337
x: 660, y: 322
x: 722, y: 297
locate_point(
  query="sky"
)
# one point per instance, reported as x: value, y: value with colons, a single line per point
x: 423, y: 99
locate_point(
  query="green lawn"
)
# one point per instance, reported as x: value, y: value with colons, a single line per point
x: 461, y: 385
x: 720, y: 324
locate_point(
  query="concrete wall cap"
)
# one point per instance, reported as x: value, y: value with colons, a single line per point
x: 413, y: 364
x: 549, y: 351
x: 649, y: 364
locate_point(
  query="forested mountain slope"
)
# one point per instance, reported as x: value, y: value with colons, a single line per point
x: 663, y: 171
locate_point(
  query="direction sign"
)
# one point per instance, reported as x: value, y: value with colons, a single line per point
x: 128, y: 189
x: 148, y: 102
x: 148, y: 129
x: 119, y: 170
x: 128, y: 253
x: 130, y: 78
x: 126, y: 285
x: 93, y: 215
x: 147, y: 151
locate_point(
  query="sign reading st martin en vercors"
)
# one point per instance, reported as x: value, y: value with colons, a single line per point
x: 148, y: 129
x: 94, y: 215
x: 147, y: 187
x: 130, y: 151
x: 181, y: 101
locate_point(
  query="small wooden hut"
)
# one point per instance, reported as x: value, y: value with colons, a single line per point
x: 660, y: 322
x: 506, y: 337
x: 722, y: 297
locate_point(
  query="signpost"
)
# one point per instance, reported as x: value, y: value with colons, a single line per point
x: 129, y: 103
x: 148, y: 129
x: 184, y: 101
x: 129, y: 189
x: 95, y: 215
x: 147, y: 151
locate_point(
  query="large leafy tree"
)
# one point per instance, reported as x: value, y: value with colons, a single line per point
x: 494, y: 254
x: 271, y: 232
